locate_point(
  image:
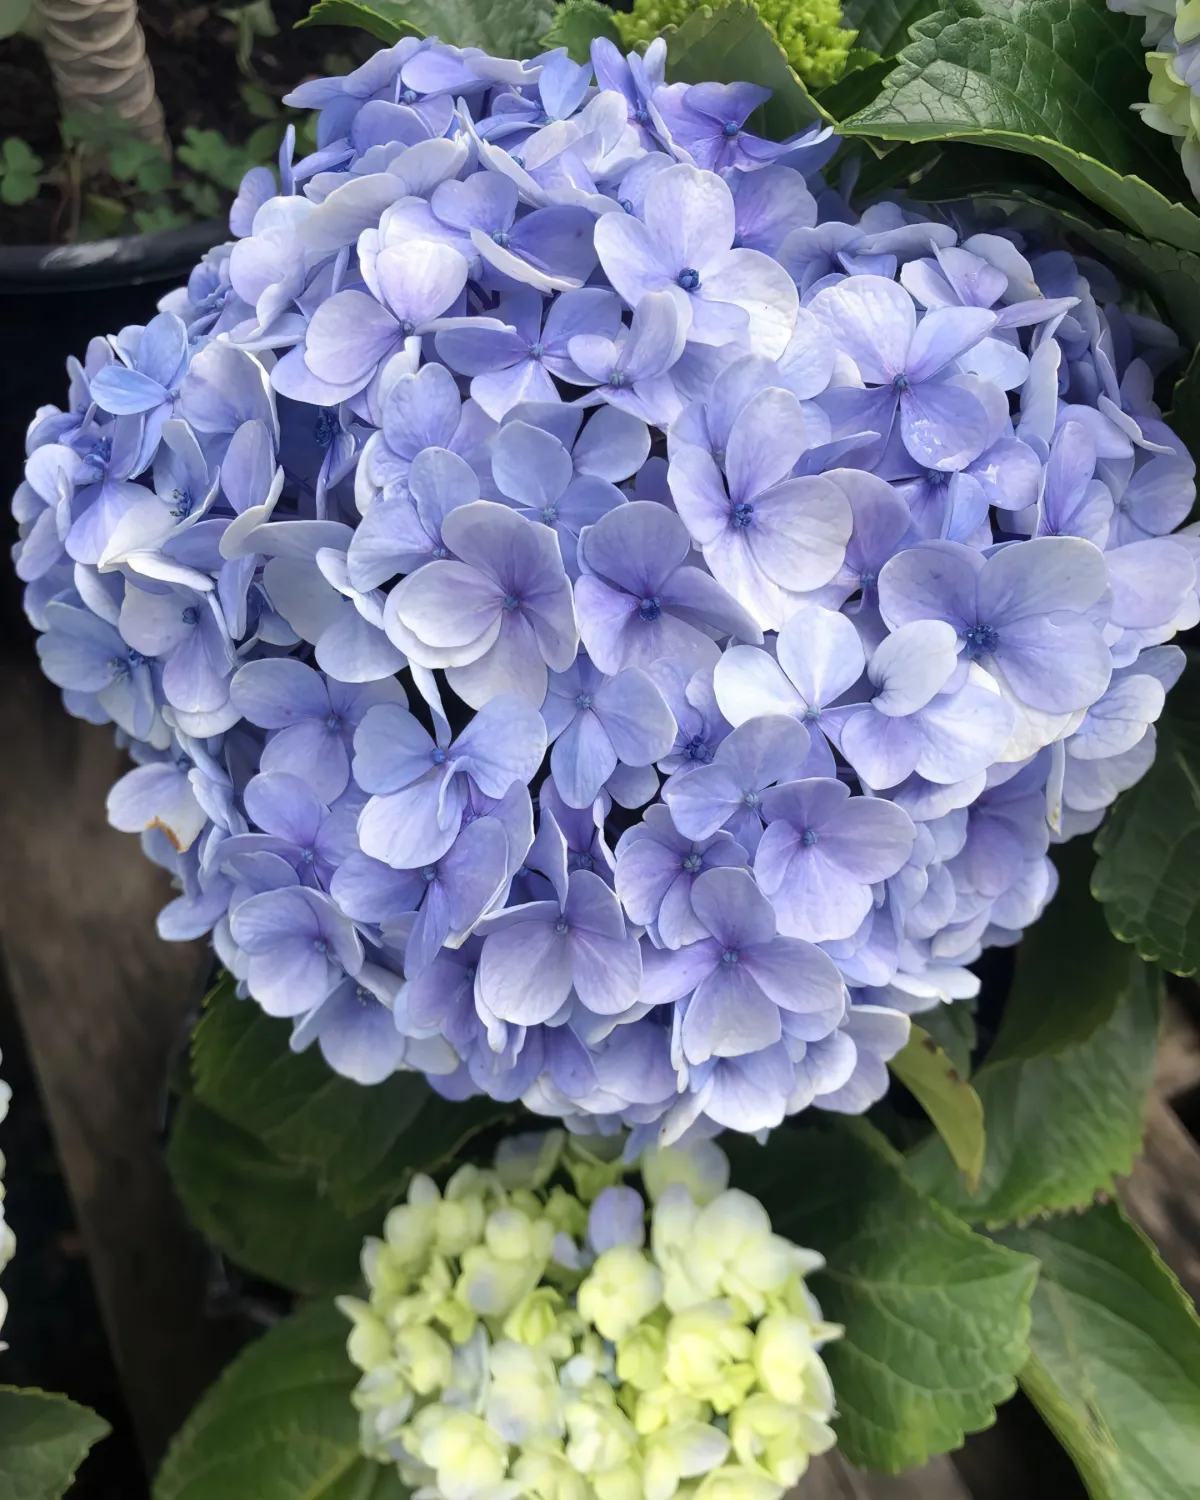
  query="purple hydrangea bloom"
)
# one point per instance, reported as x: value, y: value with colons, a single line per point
x: 596, y: 618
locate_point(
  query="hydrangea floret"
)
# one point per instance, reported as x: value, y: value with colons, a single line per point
x: 537, y: 1330
x: 597, y: 619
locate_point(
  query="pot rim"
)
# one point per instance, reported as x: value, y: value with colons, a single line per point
x: 124, y: 260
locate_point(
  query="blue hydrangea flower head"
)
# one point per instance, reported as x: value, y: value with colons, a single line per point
x: 596, y: 618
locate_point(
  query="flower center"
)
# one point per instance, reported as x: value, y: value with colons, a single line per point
x: 549, y: 515
x: 900, y: 382
x: 511, y: 602
x: 407, y: 327
x: 751, y: 799
x: 688, y: 279
x: 333, y: 721
x: 191, y: 615
x: 324, y: 428
x: 649, y: 609
x: 697, y: 749
x: 809, y: 837
x: 428, y: 874
x: 183, y: 504
x: 625, y: 205
x: 580, y: 861
x: 537, y: 350
x: 500, y: 236
x: 437, y: 756
x: 583, y: 700
x: 730, y: 956
x: 641, y: 114
x: 936, y: 477
x: 691, y: 863
x: 730, y: 128
x: 617, y: 378
x: 743, y: 513
x: 562, y: 927
x: 320, y: 946
x: 981, y: 640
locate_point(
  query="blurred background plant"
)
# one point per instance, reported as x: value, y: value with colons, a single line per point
x: 86, y: 150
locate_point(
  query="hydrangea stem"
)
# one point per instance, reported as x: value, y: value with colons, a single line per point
x: 97, y: 54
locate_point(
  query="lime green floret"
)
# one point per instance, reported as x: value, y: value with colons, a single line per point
x: 809, y: 31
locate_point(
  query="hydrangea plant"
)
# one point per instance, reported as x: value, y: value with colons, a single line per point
x: 615, y: 613
x: 596, y: 623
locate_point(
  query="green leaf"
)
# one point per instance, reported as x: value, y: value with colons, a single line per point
x: 19, y: 166
x: 505, y: 28
x: 1148, y: 873
x: 211, y: 155
x: 382, y: 18
x: 359, y: 1144
x: 1051, y: 78
x: 953, y: 1028
x: 279, y: 1424
x: 1060, y: 1126
x: 161, y: 217
x: 107, y: 214
x: 266, y: 1213
x: 576, y: 26
x: 16, y: 187
x: 882, y: 25
x: 1115, y: 1361
x: 43, y: 1440
x: 202, y: 197
x: 936, y: 1316
x: 947, y: 1098
x: 855, y: 89
x: 262, y: 144
x: 733, y: 42
x: 284, y: 1164
x: 260, y: 104
x: 1184, y: 416
x: 1071, y: 973
x: 13, y: 16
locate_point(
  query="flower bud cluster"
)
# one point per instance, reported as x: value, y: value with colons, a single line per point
x: 809, y: 31
x: 522, y: 1338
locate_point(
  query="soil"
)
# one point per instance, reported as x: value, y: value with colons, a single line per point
x: 193, y: 52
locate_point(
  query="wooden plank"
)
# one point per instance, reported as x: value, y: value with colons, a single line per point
x: 830, y: 1477
x: 103, y: 1003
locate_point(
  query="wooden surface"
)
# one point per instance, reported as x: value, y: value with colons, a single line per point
x: 1162, y: 1194
x: 830, y: 1477
x: 102, y: 1003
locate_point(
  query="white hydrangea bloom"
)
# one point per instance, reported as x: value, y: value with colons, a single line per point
x: 522, y: 1339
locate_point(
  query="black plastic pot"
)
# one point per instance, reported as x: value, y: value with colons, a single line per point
x: 53, y: 299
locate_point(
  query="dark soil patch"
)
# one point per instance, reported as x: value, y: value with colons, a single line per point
x: 193, y: 52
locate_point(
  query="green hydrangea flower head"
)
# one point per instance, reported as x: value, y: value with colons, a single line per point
x: 535, y: 1330
x: 809, y: 31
